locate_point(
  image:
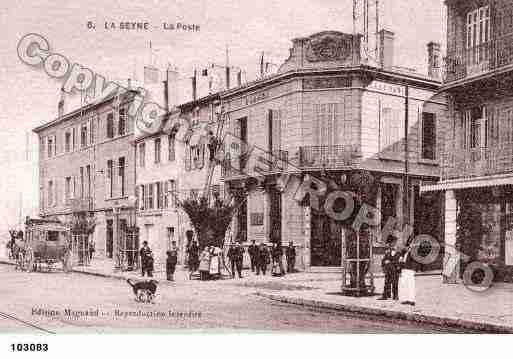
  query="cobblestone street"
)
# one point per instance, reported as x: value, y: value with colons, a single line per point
x: 193, y: 305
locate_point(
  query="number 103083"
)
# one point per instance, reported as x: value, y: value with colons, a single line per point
x: 29, y: 347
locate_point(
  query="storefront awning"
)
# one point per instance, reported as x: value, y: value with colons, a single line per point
x: 488, y: 181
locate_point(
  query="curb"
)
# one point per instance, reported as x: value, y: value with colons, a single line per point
x: 393, y: 314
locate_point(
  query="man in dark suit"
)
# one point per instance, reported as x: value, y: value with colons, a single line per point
x: 236, y: 255
x: 253, y: 254
x: 290, y: 254
x: 146, y: 260
x: 391, y: 269
x: 263, y: 259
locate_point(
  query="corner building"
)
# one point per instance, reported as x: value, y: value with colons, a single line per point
x: 328, y: 113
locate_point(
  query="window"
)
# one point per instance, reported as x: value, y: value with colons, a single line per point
x: 91, y: 130
x: 142, y: 197
x: 150, y: 196
x: 110, y: 178
x: 88, y: 171
x: 171, y: 144
x: 198, y: 155
x: 478, y: 34
x: 325, y: 131
x: 170, y: 194
x: 81, y: 182
x: 160, y: 195
x: 157, y: 150
x: 478, y: 27
x: 67, y: 141
x: 110, y: 126
x: 67, y: 189
x: 474, y: 126
x: 50, y: 193
x: 391, y: 130
x: 428, y: 136
x: 274, y: 127
x: 142, y: 154
x: 73, y: 139
x: 50, y: 146
x: 83, y: 136
x: 122, y: 122
x: 122, y: 175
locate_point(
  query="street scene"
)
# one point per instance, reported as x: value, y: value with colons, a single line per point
x: 280, y: 173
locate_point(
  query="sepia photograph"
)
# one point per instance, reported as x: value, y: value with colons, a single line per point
x: 309, y: 167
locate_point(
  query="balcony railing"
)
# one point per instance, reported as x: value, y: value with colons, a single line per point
x: 80, y: 204
x: 476, y: 162
x: 255, y: 162
x: 479, y: 60
x: 327, y: 156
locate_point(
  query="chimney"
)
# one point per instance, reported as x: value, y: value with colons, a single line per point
x: 434, y: 60
x: 194, y: 87
x: 60, y: 104
x: 227, y: 77
x: 386, y: 48
x: 171, y: 88
x: 239, y: 78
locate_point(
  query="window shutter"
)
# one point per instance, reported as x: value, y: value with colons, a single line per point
x: 56, y: 190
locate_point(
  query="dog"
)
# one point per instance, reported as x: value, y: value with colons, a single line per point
x: 144, y: 291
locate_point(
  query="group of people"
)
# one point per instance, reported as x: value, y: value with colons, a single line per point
x: 399, y: 269
x: 260, y: 258
x: 209, y: 261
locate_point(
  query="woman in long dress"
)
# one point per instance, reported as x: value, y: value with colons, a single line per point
x: 407, y: 278
x: 204, y: 264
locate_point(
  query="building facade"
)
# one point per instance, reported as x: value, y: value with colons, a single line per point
x: 172, y: 166
x: 329, y: 114
x: 477, y: 167
x: 87, y: 165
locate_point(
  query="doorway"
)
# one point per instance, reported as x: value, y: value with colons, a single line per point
x: 109, y: 244
x: 326, y: 241
x: 275, y: 216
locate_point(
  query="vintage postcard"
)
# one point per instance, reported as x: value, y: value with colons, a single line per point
x: 307, y: 166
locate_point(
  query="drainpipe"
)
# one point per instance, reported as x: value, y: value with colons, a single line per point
x: 406, y: 157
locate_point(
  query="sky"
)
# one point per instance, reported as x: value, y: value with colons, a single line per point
x: 29, y: 97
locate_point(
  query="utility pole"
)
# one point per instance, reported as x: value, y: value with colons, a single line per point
x: 406, y: 158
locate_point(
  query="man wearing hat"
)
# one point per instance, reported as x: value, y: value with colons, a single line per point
x: 391, y: 268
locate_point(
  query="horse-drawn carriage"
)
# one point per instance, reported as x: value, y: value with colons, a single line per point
x: 46, y: 241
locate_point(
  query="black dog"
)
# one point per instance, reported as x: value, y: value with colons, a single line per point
x: 144, y: 291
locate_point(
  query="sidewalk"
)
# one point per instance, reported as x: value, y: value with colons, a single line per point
x: 437, y: 303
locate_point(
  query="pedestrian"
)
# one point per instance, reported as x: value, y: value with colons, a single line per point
x: 146, y: 260
x: 407, y: 278
x: 277, y: 255
x: 91, y: 249
x: 290, y: 254
x: 236, y: 255
x: 204, y: 264
x: 253, y: 254
x: 263, y: 259
x: 391, y: 270
x: 193, y: 260
x: 215, y: 261
x: 172, y: 259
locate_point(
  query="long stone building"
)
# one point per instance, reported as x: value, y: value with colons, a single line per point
x: 87, y: 165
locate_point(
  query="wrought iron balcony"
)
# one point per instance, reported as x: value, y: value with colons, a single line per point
x: 479, y: 60
x: 476, y: 162
x: 257, y: 162
x: 328, y: 156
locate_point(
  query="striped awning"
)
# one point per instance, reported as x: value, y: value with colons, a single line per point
x: 462, y: 183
